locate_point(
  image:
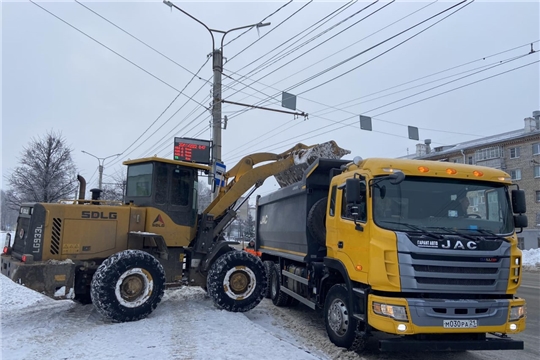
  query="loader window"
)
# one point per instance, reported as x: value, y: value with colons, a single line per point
x: 161, y: 183
x: 139, y: 180
x: 181, y: 184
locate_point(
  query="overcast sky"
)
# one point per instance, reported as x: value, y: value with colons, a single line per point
x: 56, y: 78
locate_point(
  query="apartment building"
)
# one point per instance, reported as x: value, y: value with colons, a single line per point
x: 516, y: 152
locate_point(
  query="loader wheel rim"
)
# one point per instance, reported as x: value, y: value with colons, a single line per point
x: 239, y: 282
x: 134, y: 287
x: 338, y: 317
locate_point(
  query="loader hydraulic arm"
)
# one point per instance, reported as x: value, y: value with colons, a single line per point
x: 244, y: 175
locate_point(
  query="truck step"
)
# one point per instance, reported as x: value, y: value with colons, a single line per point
x: 302, y: 299
x: 295, y: 277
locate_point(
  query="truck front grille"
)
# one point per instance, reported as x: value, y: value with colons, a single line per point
x: 454, y: 270
x: 447, y: 281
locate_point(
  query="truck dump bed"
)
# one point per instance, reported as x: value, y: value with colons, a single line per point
x: 287, y: 224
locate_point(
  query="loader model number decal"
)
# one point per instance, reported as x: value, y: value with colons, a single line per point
x: 158, y: 222
x: 38, y: 234
x: 98, y: 215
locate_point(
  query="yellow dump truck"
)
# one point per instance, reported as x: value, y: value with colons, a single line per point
x: 423, y: 250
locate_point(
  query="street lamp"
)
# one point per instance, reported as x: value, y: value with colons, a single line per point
x: 101, y: 162
x: 217, y: 65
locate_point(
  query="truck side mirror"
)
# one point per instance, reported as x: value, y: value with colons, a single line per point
x: 396, y: 177
x: 352, y: 187
x: 518, y: 202
x: 520, y: 221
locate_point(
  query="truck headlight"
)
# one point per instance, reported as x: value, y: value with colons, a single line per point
x: 517, y: 312
x: 393, y: 311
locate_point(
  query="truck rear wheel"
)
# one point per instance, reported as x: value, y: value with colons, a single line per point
x: 128, y: 286
x: 316, y: 221
x: 279, y: 298
x: 340, y: 323
x: 268, y: 266
x: 237, y: 281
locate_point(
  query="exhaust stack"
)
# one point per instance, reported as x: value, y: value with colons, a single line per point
x: 82, y: 187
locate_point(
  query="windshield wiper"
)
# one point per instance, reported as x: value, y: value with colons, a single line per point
x: 487, y: 232
x: 452, y: 231
x: 416, y: 228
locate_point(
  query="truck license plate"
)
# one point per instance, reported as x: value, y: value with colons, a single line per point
x: 459, y: 324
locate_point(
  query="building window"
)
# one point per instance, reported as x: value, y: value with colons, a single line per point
x: 537, y: 171
x: 458, y: 160
x: 514, y: 153
x: 538, y: 239
x: 515, y: 174
x: 521, y: 243
x: 537, y: 196
x: 488, y: 153
x: 536, y: 149
x: 470, y: 160
x: 537, y: 219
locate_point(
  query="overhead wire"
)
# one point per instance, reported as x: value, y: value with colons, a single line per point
x: 271, y: 30
x: 269, y: 63
x: 337, y: 106
x: 403, y: 106
x: 113, y: 51
x: 363, y: 52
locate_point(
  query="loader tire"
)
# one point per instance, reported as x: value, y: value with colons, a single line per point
x: 268, y: 266
x: 128, y: 286
x: 279, y: 298
x: 237, y: 281
x: 316, y: 221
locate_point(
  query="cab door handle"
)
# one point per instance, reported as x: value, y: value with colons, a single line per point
x: 340, y: 244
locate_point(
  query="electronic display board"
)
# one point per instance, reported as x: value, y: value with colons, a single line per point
x: 192, y: 150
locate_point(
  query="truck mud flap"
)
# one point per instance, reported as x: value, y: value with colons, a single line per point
x: 411, y: 345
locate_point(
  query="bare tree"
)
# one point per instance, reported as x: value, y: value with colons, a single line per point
x: 8, y: 216
x: 115, y: 188
x: 205, y: 196
x: 46, y: 172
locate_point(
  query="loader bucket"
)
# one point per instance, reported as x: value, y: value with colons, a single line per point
x: 303, y: 158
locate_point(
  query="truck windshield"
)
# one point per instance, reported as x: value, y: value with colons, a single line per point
x: 442, y: 205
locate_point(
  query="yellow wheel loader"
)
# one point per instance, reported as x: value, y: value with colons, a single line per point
x: 121, y: 256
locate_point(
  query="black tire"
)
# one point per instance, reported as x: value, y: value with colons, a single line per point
x: 128, y: 286
x: 316, y: 221
x: 279, y: 298
x: 338, y: 318
x: 268, y: 266
x: 237, y: 281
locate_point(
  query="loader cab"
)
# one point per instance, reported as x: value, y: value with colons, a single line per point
x: 168, y: 185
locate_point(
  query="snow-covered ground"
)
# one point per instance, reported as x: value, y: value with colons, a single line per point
x: 184, y: 326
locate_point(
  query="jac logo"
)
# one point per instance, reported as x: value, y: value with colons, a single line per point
x: 458, y: 244
x: 98, y: 215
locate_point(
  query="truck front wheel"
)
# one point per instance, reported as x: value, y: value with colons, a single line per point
x: 128, y: 286
x: 338, y: 317
x: 237, y: 281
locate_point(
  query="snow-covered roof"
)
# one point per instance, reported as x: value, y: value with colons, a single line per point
x: 488, y: 140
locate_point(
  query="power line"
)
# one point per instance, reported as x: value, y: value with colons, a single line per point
x: 108, y: 48
x: 406, y: 105
x: 392, y: 48
x: 273, y: 28
x: 363, y: 52
x: 356, y: 42
x: 271, y: 62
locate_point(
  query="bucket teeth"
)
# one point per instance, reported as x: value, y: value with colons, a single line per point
x: 305, y: 157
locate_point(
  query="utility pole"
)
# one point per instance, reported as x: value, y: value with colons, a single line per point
x: 101, y: 162
x: 217, y: 66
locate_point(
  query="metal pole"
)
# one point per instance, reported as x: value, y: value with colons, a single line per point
x: 101, y: 162
x: 217, y: 66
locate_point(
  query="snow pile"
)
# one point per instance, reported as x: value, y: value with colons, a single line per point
x: 304, y: 158
x: 531, y: 259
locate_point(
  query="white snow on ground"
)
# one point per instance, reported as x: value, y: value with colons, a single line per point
x: 185, y: 325
x: 531, y: 259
